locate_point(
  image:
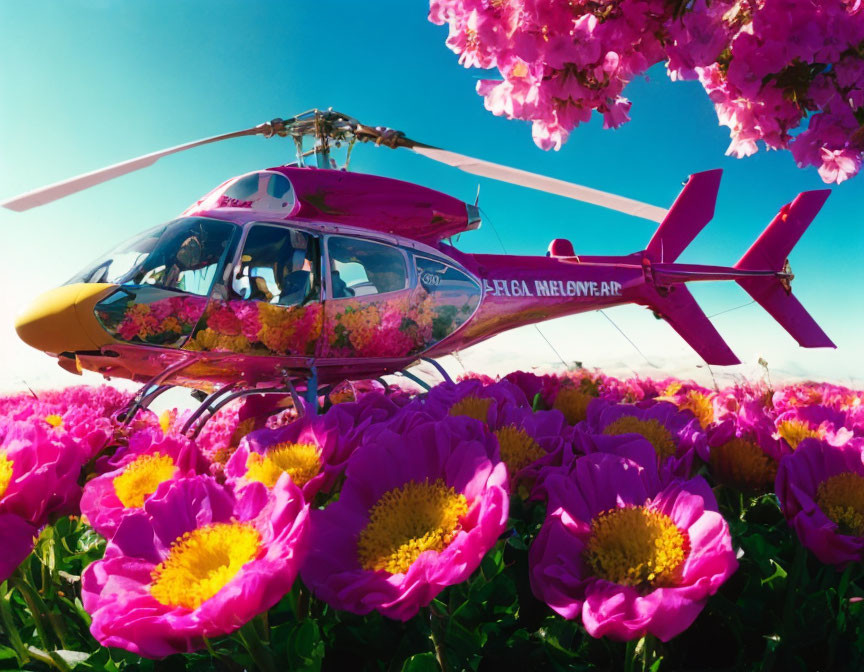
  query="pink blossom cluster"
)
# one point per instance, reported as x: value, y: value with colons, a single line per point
x: 769, y: 66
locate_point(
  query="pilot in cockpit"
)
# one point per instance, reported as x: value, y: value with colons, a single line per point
x: 294, y: 271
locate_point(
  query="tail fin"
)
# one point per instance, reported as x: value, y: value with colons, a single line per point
x: 689, y: 214
x: 681, y: 311
x: 769, y: 253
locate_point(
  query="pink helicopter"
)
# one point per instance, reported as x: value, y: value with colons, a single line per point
x: 310, y: 275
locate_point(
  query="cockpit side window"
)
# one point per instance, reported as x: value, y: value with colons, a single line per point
x: 361, y: 268
x: 279, y: 265
x: 186, y: 257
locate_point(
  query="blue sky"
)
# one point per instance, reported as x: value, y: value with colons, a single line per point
x: 87, y: 83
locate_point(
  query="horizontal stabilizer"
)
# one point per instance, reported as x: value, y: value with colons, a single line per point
x: 787, y: 310
x: 680, y: 310
x: 689, y: 214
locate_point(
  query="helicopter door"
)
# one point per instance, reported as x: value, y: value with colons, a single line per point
x: 367, y: 311
x: 273, y: 304
x: 163, y: 278
x: 445, y: 296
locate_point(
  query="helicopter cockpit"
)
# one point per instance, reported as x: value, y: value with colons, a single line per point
x: 278, y: 289
x: 182, y: 255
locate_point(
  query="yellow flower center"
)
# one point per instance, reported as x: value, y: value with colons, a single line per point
x: 672, y: 389
x: 141, y: 477
x: 841, y: 497
x: 573, y: 403
x: 54, y: 420
x: 653, y: 430
x: 301, y: 461
x: 635, y: 546
x: 743, y: 465
x: 518, y: 449
x: 166, y: 419
x: 795, y: 431
x: 473, y: 407
x: 202, y: 561
x: 407, y: 521
x: 700, y: 405
x: 5, y: 472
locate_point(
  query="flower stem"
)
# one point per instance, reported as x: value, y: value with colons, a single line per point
x: 302, y: 603
x: 261, y: 655
x: 649, y: 652
x: 9, y: 626
x: 793, y: 578
x: 437, y: 629
x: 630, y: 655
x: 37, y: 609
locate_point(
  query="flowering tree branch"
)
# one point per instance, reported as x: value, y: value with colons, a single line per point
x: 789, y: 73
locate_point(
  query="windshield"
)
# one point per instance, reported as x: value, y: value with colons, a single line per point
x: 183, y: 255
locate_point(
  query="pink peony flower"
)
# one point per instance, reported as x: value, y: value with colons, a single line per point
x: 530, y: 441
x: 743, y: 456
x: 309, y: 450
x: 674, y: 434
x: 409, y: 522
x: 626, y: 556
x: 18, y: 536
x: 821, y: 491
x: 38, y: 473
x: 198, y: 561
x: 134, y: 473
x: 474, y: 399
x: 351, y: 420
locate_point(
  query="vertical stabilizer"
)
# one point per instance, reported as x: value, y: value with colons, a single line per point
x: 689, y: 214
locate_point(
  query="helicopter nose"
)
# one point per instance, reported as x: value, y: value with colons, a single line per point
x: 62, y: 319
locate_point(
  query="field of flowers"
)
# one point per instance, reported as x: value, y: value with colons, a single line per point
x: 561, y: 522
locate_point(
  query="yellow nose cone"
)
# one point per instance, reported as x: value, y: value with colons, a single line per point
x: 62, y: 319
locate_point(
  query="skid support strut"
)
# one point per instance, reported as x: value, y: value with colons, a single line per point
x: 440, y: 369
x: 149, y: 391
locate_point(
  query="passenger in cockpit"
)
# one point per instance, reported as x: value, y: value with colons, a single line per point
x: 296, y: 281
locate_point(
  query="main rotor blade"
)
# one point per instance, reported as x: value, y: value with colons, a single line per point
x: 541, y: 183
x: 73, y: 185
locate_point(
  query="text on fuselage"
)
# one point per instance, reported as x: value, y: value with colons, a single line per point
x: 551, y: 288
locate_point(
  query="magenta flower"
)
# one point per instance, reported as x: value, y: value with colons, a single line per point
x: 743, y: 456
x: 308, y: 450
x: 626, y: 556
x: 222, y: 434
x: 674, y: 434
x: 18, y: 536
x: 821, y: 491
x: 134, y: 473
x: 82, y: 415
x: 473, y: 399
x: 198, y: 561
x: 530, y: 441
x: 812, y: 422
x: 417, y: 512
x: 352, y: 419
x: 38, y: 473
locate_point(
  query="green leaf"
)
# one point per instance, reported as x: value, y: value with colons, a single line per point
x: 421, y: 662
x: 305, y: 646
x: 72, y: 658
x: 779, y: 573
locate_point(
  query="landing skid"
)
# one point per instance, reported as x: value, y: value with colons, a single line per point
x: 410, y: 376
